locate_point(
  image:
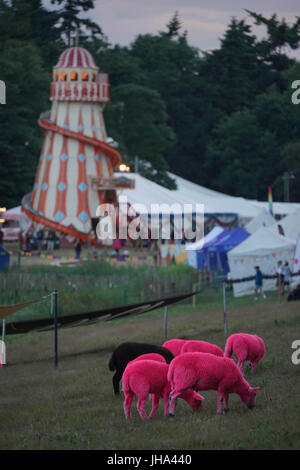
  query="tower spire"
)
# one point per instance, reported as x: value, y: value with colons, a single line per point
x: 77, y: 37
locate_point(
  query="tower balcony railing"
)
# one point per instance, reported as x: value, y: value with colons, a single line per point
x: 80, y: 91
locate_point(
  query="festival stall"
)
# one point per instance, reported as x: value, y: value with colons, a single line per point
x: 11, y: 225
x: 264, y: 249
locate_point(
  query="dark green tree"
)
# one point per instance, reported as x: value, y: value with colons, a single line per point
x: 27, y: 86
x: 239, y: 156
x: 70, y: 21
x: 138, y: 121
x: 173, y: 27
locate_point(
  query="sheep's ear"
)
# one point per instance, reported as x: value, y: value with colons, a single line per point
x: 200, y: 397
x: 255, y: 389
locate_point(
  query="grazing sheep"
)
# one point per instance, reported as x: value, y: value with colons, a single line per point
x: 245, y: 347
x: 174, y: 345
x: 142, y: 378
x: 204, y: 371
x: 201, y: 346
x: 126, y: 352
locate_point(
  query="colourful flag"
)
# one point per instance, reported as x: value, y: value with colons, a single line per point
x: 270, y: 199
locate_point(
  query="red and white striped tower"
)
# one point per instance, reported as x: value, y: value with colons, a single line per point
x: 74, y: 153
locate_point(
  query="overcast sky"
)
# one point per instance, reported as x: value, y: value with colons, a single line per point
x: 205, y: 21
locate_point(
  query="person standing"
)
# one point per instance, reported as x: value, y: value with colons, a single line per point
x: 78, y: 249
x: 258, y: 284
x: 286, y: 276
x: 156, y: 252
x: 117, y: 245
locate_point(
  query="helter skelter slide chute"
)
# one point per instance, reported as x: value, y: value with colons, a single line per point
x: 76, y: 159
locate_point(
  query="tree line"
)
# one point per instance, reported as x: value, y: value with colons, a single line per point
x: 222, y: 118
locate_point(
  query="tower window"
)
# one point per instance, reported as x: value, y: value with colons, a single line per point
x: 63, y: 76
x: 74, y: 76
x: 84, y: 76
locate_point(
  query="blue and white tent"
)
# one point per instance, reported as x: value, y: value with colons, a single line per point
x: 217, y: 251
x: 197, y: 252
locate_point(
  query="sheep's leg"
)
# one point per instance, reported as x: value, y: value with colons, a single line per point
x: 220, y: 402
x: 141, y: 406
x: 129, y: 396
x: 226, y: 399
x: 172, y: 402
x: 116, y: 379
x: 254, y: 364
x: 240, y: 365
x: 166, y: 398
x: 155, y: 403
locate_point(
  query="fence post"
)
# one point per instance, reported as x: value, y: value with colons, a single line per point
x: 165, y: 323
x: 3, y: 348
x: 224, y: 308
x: 194, y: 296
x: 55, y: 328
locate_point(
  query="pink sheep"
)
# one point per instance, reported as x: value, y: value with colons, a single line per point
x: 174, y: 345
x: 245, y: 347
x: 144, y: 377
x: 150, y: 357
x: 201, y: 346
x: 204, y: 371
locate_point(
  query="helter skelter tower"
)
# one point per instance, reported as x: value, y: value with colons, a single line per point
x: 76, y: 165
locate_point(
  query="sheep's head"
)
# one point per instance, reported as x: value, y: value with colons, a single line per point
x: 249, y: 398
x: 194, y: 399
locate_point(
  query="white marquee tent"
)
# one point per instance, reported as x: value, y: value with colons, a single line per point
x: 289, y: 226
x: 264, y: 219
x: 264, y: 249
x: 147, y: 192
x: 214, y: 201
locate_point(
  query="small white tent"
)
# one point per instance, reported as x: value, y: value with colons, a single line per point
x: 264, y: 219
x: 263, y: 249
x: 289, y: 226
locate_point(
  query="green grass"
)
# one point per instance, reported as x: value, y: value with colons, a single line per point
x: 73, y: 407
x: 91, y: 286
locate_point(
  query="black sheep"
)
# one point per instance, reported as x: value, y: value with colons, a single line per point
x: 126, y: 352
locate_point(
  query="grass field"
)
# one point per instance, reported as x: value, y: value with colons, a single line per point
x: 73, y: 406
